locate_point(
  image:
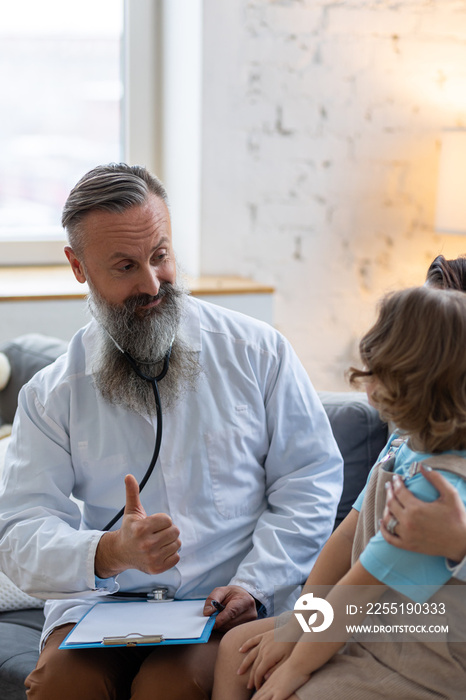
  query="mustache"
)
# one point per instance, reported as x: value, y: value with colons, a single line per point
x: 138, y: 300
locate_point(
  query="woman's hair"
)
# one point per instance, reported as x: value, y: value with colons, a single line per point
x: 447, y: 274
x: 416, y: 353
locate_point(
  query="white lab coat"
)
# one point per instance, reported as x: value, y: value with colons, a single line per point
x: 248, y: 470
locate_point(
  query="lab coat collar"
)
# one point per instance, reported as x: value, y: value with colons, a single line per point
x: 190, y: 326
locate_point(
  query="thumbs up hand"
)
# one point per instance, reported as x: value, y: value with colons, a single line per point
x: 149, y: 543
x: 133, y: 506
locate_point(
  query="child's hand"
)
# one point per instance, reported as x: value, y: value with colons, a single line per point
x: 264, y: 654
x: 283, y: 682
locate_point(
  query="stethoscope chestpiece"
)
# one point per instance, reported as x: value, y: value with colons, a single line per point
x: 159, y: 595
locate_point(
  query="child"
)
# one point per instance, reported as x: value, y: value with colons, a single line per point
x: 415, y: 375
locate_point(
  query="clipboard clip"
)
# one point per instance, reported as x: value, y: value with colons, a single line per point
x: 133, y: 639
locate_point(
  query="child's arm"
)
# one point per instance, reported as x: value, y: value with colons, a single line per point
x: 305, y: 659
x: 264, y: 651
x: 334, y: 561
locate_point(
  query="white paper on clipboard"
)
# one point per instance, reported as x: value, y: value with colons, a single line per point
x: 178, y: 620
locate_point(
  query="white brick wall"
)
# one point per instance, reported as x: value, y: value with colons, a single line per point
x: 321, y: 129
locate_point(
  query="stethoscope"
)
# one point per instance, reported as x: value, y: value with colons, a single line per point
x: 153, y: 381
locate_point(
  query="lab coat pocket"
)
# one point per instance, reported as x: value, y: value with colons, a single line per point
x: 237, y: 476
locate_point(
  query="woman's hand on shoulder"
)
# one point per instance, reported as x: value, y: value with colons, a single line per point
x: 437, y: 528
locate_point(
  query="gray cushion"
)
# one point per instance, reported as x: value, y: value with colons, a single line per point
x: 360, y: 435
x: 27, y: 355
x: 19, y: 650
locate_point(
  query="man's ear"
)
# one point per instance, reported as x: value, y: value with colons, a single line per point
x: 76, y: 265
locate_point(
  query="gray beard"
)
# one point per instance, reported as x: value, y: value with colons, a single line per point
x: 146, y: 336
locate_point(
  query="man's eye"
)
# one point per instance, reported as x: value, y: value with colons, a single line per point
x: 126, y: 268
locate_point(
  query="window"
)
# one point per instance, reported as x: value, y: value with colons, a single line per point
x: 91, y: 82
x: 60, y: 108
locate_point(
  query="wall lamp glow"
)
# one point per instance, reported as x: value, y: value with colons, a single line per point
x: 451, y: 190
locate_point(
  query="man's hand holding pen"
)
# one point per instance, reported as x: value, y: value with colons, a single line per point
x: 233, y: 604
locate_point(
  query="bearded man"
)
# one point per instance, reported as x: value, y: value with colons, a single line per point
x: 244, y: 491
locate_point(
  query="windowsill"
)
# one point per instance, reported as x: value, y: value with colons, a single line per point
x: 57, y: 282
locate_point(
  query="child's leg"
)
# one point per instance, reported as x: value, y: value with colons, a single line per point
x: 227, y: 684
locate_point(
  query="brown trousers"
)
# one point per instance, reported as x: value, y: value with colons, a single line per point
x: 178, y: 672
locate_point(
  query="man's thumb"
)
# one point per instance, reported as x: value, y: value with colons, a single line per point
x: 133, y: 505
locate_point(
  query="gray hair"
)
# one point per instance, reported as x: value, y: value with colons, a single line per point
x: 114, y: 187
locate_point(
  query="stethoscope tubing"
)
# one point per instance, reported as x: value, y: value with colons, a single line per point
x: 153, y: 381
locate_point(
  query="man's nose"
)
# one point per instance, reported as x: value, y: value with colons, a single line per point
x: 149, y: 282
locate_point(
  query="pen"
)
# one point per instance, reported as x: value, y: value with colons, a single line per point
x: 156, y: 595
x: 218, y: 606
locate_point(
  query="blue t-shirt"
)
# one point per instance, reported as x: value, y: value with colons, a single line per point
x: 423, y: 574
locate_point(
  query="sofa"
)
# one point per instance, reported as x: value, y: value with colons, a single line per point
x: 358, y: 430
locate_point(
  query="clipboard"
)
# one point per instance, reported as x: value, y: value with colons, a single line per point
x: 143, y: 623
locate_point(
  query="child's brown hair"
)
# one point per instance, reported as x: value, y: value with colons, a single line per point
x: 416, y: 352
